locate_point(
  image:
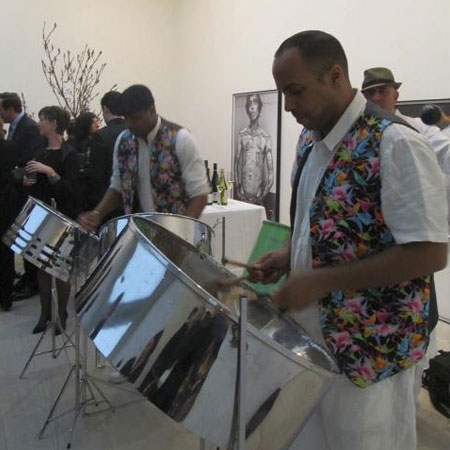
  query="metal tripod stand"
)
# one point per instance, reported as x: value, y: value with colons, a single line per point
x: 52, y: 326
x: 83, y: 383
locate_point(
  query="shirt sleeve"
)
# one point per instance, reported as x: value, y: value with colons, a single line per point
x: 413, y: 195
x: 115, y: 176
x: 193, y: 170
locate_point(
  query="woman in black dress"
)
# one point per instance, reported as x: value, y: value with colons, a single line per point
x: 53, y: 175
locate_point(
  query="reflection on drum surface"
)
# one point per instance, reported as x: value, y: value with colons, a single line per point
x: 52, y: 241
x: 152, y: 308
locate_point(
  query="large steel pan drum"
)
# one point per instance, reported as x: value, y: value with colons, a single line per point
x: 152, y: 309
x: 197, y: 233
x: 51, y: 241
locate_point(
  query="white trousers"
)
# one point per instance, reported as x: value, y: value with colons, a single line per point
x: 424, y: 364
x: 380, y: 417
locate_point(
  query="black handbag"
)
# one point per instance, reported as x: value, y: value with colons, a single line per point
x: 437, y: 380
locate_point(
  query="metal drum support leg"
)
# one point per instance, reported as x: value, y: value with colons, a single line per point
x: 237, y: 438
x: 83, y: 382
x: 51, y: 326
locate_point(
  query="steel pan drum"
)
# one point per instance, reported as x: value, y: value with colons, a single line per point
x: 50, y: 241
x: 152, y: 309
x: 197, y: 233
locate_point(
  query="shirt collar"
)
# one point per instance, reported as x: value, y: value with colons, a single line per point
x: 152, y: 134
x: 345, y: 122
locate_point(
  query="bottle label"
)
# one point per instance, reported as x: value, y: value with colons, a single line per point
x: 215, y: 196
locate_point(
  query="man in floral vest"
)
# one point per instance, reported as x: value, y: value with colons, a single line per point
x: 156, y: 165
x: 368, y: 228
x: 380, y: 87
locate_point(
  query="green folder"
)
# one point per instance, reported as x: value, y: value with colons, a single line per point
x: 272, y: 236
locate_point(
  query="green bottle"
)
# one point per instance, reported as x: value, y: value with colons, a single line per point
x: 223, y: 188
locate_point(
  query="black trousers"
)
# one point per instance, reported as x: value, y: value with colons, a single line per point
x: 433, y: 314
x: 6, y: 274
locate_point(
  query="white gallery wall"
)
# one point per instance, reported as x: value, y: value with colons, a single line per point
x: 195, y: 54
x: 135, y: 37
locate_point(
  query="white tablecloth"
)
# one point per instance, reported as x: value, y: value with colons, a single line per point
x: 242, y: 224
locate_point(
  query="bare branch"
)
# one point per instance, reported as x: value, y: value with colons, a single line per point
x: 72, y: 77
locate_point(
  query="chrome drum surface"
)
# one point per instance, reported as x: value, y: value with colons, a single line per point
x: 51, y: 241
x: 152, y: 308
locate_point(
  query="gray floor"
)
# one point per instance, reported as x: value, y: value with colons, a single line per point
x: 134, y: 425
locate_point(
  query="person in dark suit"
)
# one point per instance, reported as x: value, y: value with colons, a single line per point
x: 87, y: 141
x: 115, y: 123
x: 102, y: 156
x: 24, y: 132
x: 9, y: 200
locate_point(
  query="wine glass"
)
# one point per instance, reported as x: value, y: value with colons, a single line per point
x: 230, y: 182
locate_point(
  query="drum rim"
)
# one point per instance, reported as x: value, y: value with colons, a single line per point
x: 144, y: 214
x: 60, y: 215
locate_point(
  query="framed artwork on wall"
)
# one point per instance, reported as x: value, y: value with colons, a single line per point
x: 413, y: 108
x: 256, y: 139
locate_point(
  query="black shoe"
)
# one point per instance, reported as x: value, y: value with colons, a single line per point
x: 6, y: 306
x: 40, y: 327
x: 20, y: 283
x: 24, y: 293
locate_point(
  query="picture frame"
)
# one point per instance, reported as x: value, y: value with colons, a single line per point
x: 413, y: 108
x: 256, y: 146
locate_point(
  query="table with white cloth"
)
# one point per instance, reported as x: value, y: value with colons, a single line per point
x: 242, y: 224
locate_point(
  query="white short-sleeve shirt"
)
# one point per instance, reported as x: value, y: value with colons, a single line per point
x: 412, y: 193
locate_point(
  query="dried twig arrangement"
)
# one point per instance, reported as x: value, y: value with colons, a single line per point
x: 72, y: 77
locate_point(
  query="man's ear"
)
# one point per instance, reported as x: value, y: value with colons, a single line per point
x: 336, y: 73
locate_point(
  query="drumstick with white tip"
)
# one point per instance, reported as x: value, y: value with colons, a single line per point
x: 232, y: 262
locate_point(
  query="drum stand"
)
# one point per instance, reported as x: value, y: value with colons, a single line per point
x: 238, y: 424
x: 237, y: 439
x: 54, y: 324
x: 83, y: 381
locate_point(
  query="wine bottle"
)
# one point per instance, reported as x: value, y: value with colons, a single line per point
x: 208, y: 178
x: 223, y: 188
x: 209, y: 199
x: 215, y: 185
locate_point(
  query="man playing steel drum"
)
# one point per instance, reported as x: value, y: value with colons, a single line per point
x: 368, y: 230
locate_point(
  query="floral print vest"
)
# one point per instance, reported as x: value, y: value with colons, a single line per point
x: 378, y: 332
x: 169, y: 195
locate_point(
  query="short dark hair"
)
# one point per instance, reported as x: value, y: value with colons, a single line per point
x: 258, y: 98
x: 112, y: 100
x: 136, y: 98
x: 83, y: 124
x: 317, y: 47
x: 431, y: 114
x: 58, y: 114
x: 11, y: 100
